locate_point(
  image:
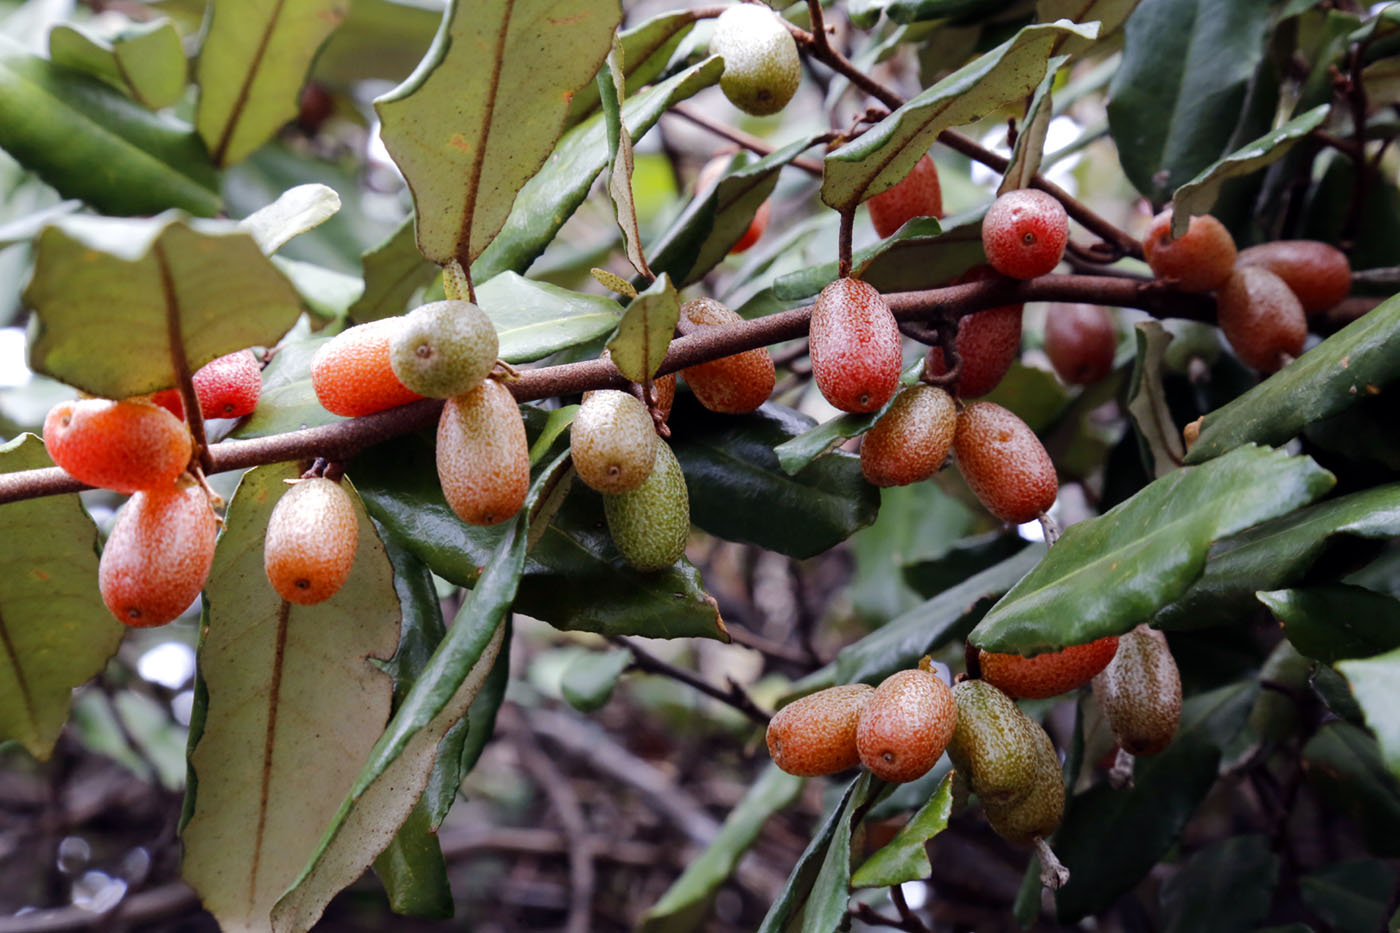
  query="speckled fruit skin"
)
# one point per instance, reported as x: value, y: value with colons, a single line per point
x: 483, y: 459
x: 443, y: 349
x: 229, y: 386
x: 1140, y: 692
x: 734, y: 384
x: 665, y: 389
x: 1024, y: 233
x: 1261, y: 318
x: 1200, y: 260
x: 854, y: 345
x: 158, y: 556
x: 650, y: 524
x: 613, y: 441
x: 1080, y: 341
x: 352, y: 375
x: 917, y: 195
x: 1038, y: 813
x: 761, y: 66
x: 1004, y: 463
x: 994, y: 744
x: 1049, y: 674
x: 906, y: 725
x: 911, y: 441
x: 1318, y: 273
x: 124, y: 446
x: 816, y: 735
x: 988, y: 342
x: 312, y: 535
x: 708, y: 176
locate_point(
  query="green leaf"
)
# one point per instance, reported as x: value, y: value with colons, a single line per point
x: 1351, y: 895
x: 610, y: 83
x: 646, y: 50
x: 484, y: 109
x: 1344, y: 765
x: 383, y: 39
x: 252, y: 64
x: 644, y: 333
x: 413, y: 871
x: 55, y: 631
x: 1147, y: 401
x: 588, y: 680
x: 476, y: 731
x: 1107, y: 574
x: 327, y: 294
x: 1110, y: 14
x: 1336, y: 621
x: 90, y: 141
x: 905, y: 857
x: 1376, y: 685
x: 393, y: 271
x: 919, y: 254
x: 271, y: 766
x: 1030, y: 141
x: 1222, y: 888
x: 288, y: 402
x: 801, y: 451
x: 534, y: 319
x: 688, y: 898
x: 298, y: 210
x: 147, y: 59
x: 108, y: 295
x: 917, y: 523
x: 831, y: 891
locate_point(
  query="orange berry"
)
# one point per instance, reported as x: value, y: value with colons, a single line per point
x: 906, y: 725
x: 665, y: 388
x: 1261, y: 318
x: 483, y: 459
x: 734, y: 384
x: 613, y: 441
x: 854, y: 345
x: 124, y: 446
x: 988, y: 342
x: 910, y: 441
x: 1319, y: 274
x: 1024, y: 233
x: 917, y: 195
x: 1004, y: 463
x: 816, y: 735
x: 158, y: 556
x: 1049, y: 674
x: 1140, y: 692
x: 1199, y: 260
x: 312, y: 536
x: 352, y: 374
x: 1080, y: 341
x: 229, y: 386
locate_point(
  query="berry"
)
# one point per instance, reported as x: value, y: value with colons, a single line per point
x: 665, y: 389
x: 708, y: 176
x: 987, y: 342
x: 1049, y: 674
x: 1080, y: 341
x: 1318, y: 274
x: 761, y: 66
x: 1004, y: 463
x: 816, y: 735
x: 906, y: 725
x: 352, y: 374
x: 227, y: 387
x: 483, y: 459
x: 124, y: 446
x: 169, y: 399
x: 312, y: 536
x: 916, y: 195
x: 444, y: 349
x: 1024, y: 233
x: 854, y: 346
x: 1037, y: 814
x: 993, y: 744
x: 158, y: 556
x: 650, y: 524
x: 1200, y: 260
x: 1261, y: 318
x: 910, y: 441
x: 613, y: 441
x: 1140, y: 692
x: 734, y: 384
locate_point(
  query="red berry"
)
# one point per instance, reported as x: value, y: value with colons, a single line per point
x: 854, y: 346
x: 1024, y: 233
x: 312, y: 536
x: 1261, y: 318
x: 732, y: 384
x: 906, y: 725
x: 1004, y: 463
x: 816, y: 735
x: 910, y: 441
x: 1080, y: 341
x: 1049, y: 674
x: 1319, y: 274
x: 169, y: 399
x: 917, y: 195
x: 988, y: 342
x: 158, y: 556
x: 1200, y: 260
x: 483, y: 459
x: 229, y: 386
x: 352, y: 374
x: 124, y: 446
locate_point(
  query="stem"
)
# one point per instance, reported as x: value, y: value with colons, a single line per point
x: 194, y: 416
x: 740, y: 138
x: 843, y: 243
x: 734, y: 696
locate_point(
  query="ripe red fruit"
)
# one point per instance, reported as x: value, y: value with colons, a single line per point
x: 158, y: 556
x: 1261, y: 318
x: 352, y: 374
x: 169, y: 399
x: 1318, y: 273
x: 124, y: 446
x: 917, y: 195
x: 665, y: 389
x: 906, y: 725
x: 1199, y: 260
x: 1049, y: 674
x: 988, y: 342
x: 910, y: 441
x: 733, y: 384
x: 1004, y: 463
x: 483, y: 458
x: 229, y: 386
x: 1080, y: 341
x: 816, y: 735
x: 854, y: 345
x: 1024, y: 233
x: 708, y: 176
x: 312, y: 536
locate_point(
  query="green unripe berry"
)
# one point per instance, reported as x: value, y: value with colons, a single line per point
x: 1039, y: 811
x: 993, y: 744
x: 1140, y: 692
x: 650, y: 524
x: 613, y: 441
x: 761, y: 66
x: 444, y: 349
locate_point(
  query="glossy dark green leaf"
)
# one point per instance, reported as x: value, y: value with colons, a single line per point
x: 1335, y: 691
x: 468, y: 739
x: 921, y: 249
x: 413, y: 871
x: 646, y: 50
x: 534, y: 319
x: 147, y: 59
x: 1107, y: 574
x: 1344, y: 765
x: 644, y: 331
x: 969, y: 556
x: 917, y: 524
x: 288, y: 401
x: 1147, y: 401
x: 1375, y: 682
x: 1223, y: 887
x: 905, y: 857
x: 393, y: 271
x: 918, y: 11
x: 1351, y: 895
x: 1336, y: 621
x: 588, y: 680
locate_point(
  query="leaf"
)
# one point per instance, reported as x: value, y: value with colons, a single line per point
x: 1336, y: 621
x: 298, y: 210
x: 588, y: 680
x: 1351, y: 895
x: 484, y: 109
x: 916, y: 11
x: 1110, y: 14
x: 610, y: 83
x: 905, y: 857
x: 1030, y: 141
x: 252, y: 64
x: 1147, y: 401
x: 1223, y: 887
x: 55, y: 631
x: 918, y: 525
x: 269, y: 766
x: 1107, y: 574
x: 686, y: 900
x: 1376, y: 686
x: 476, y: 731
x: 831, y: 892
x: 147, y: 59
x: 921, y: 248
x: 413, y: 871
x: 646, y: 50
x: 534, y: 319
x: 288, y: 401
x: 92, y: 142
x: 809, y: 446
x: 109, y: 295
x: 644, y: 333
x: 1345, y: 767
x: 885, y: 153
x: 326, y: 293
x: 393, y: 271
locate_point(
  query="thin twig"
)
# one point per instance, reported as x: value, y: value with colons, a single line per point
x: 739, y: 138
x: 734, y: 696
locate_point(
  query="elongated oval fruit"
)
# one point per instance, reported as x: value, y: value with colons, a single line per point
x: 613, y: 441
x: 1049, y: 674
x: 1200, y: 260
x: 1140, y: 692
x: 443, y: 349
x: 1080, y: 341
x: 761, y: 66
x: 158, y: 556
x: 1004, y: 463
x: 124, y: 446
x: 816, y: 735
x: 911, y: 441
x: 917, y: 195
x: 855, y: 348
x: 734, y: 384
x: 906, y: 725
x: 352, y: 374
x: 483, y: 459
x: 312, y: 536
x: 993, y: 744
x: 1037, y: 813
x: 988, y: 342
x: 1318, y: 273
x: 227, y: 387
x: 650, y: 524
x: 1261, y: 318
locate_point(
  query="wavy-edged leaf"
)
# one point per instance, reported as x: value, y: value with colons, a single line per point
x: 644, y: 332
x: 534, y: 319
x: 1157, y: 435
x: 476, y: 729
x: 1107, y: 574
x: 288, y: 401
x: 610, y: 83
x: 1336, y: 621
x: 1376, y: 684
x: 1030, y: 141
x: 1224, y: 887
x: 55, y: 631
x: 483, y: 111
x: 393, y: 271
x: 327, y: 294
x: 905, y: 857
x: 825, y: 911
x: 1110, y: 14
x: 298, y: 210
x: 294, y: 703
x: 146, y: 59
x: 1345, y: 766
x: 646, y: 50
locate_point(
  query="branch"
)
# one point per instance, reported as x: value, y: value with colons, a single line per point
x: 740, y: 138
x: 734, y: 696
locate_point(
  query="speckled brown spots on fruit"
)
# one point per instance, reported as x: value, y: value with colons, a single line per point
x: 1140, y: 692
x: 911, y: 441
x: 854, y: 346
x: 1049, y: 674
x: 1004, y: 463
x: 816, y: 734
x: 906, y: 725
x: 613, y: 441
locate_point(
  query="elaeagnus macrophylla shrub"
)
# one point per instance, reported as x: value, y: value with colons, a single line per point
x: 731, y: 385
x: 1200, y: 260
x: 483, y: 459
x: 651, y: 523
x: 987, y: 342
x: 352, y: 373
x: 443, y: 349
x: 911, y: 441
x: 918, y: 194
x: 1024, y: 233
x: 906, y: 724
x: 761, y: 66
x: 816, y: 734
x: 613, y: 441
x: 1048, y: 674
x: 1080, y: 341
x: 1318, y: 273
x: 1261, y: 318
